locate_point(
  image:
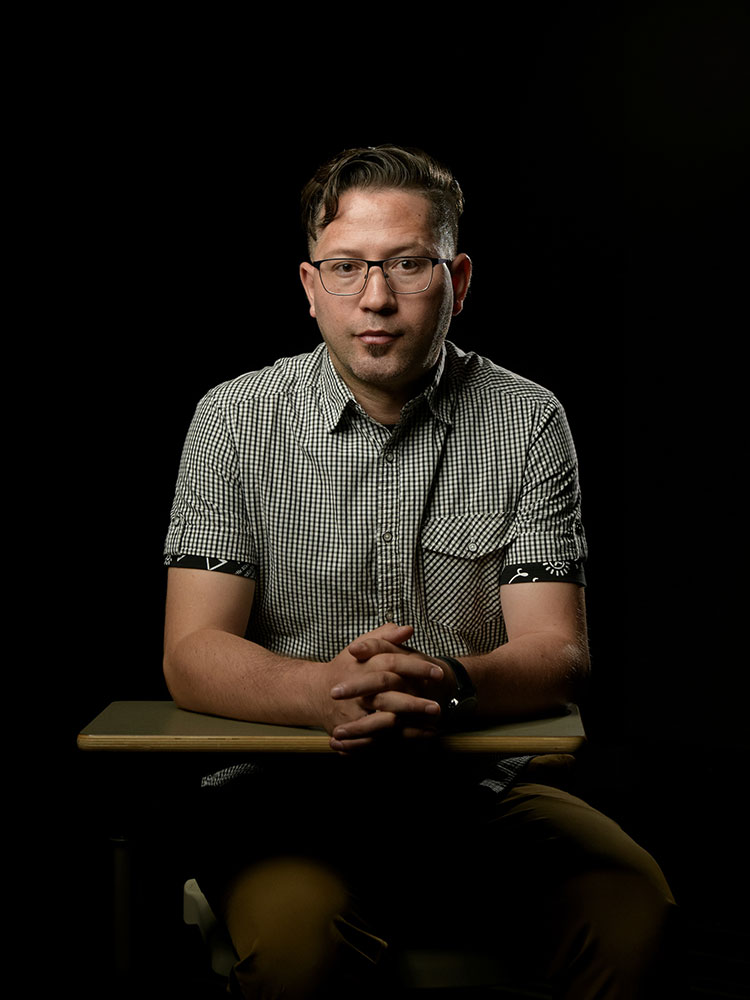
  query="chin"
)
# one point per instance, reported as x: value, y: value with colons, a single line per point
x: 394, y: 375
x: 377, y: 350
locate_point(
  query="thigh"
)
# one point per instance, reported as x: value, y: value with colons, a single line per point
x: 548, y: 835
x: 345, y: 815
x: 488, y: 870
x: 272, y: 811
x: 594, y: 907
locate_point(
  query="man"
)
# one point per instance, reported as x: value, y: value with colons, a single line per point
x: 383, y: 538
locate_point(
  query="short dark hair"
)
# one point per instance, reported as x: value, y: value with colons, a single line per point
x: 382, y: 167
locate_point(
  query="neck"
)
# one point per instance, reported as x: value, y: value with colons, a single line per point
x: 383, y: 406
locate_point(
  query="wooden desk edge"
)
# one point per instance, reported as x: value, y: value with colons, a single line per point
x: 467, y: 742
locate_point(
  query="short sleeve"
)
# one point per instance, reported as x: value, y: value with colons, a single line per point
x: 548, y: 537
x: 209, y: 518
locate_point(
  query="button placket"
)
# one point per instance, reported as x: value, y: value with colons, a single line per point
x: 387, y: 545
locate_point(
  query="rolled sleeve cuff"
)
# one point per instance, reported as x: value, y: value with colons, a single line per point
x: 211, y: 563
x: 548, y: 571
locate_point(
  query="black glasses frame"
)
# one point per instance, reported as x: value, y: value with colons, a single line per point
x: 379, y: 263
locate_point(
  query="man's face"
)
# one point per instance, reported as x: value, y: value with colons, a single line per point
x: 378, y: 340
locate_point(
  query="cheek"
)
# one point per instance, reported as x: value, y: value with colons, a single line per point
x: 441, y: 312
x: 330, y: 315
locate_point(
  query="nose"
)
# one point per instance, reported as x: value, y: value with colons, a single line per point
x: 376, y: 294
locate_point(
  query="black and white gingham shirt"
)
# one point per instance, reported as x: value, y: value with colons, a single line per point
x: 345, y: 524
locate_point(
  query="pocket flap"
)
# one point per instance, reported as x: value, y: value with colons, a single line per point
x: 467, y: 536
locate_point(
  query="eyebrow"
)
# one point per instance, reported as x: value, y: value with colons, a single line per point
x: 407, y: 250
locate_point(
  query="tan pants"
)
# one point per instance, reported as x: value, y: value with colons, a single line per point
x: 547, y: 880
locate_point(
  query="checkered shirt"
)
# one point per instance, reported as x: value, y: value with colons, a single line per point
x: 345, y: 524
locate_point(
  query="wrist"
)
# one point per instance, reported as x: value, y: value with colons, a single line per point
x: 320, y: 680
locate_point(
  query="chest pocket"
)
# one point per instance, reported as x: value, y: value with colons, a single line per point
x: 462, y: 557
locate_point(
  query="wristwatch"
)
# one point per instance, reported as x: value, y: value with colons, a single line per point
x: 464, y: 701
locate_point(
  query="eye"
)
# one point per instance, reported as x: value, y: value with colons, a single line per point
x: 345, y: 268
x: 408, y: 266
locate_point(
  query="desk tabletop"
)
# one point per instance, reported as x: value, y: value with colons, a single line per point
x: 162, y: 726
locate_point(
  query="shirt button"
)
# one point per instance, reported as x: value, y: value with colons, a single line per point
x: 390, y: 456
x: 387, y: 536
x: 473, y: 546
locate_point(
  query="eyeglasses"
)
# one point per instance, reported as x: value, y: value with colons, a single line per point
x: 403, y: 275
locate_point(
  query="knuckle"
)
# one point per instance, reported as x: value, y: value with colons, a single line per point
x: 386, y: 718
x: 387, y: 661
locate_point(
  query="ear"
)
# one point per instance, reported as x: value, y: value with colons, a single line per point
x: 308, y: 279
x: 461, y: 277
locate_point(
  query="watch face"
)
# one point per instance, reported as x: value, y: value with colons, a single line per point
x: 467, y: 704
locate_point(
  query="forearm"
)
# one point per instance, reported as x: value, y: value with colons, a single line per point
x: 530, y: 675
x: 537, y: 671
x: 219, y: 673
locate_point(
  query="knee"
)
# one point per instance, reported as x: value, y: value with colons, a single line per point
x: 622, y: 909
x: 618, y: 934
x: 280, y: 917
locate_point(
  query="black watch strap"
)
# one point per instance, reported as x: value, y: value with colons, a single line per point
x: 465, y: 698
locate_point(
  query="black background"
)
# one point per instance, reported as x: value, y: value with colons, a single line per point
x: 599, y: 159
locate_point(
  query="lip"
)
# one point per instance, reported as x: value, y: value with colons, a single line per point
x: 377, y: 337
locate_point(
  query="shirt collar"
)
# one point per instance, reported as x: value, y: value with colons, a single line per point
x: 334, y: 394
x: 336, y: 397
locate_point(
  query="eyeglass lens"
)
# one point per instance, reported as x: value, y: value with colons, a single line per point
x: 403, y: 274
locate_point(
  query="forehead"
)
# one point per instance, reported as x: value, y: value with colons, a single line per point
x: 375, y: 222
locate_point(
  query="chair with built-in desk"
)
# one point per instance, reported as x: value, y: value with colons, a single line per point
x: 159, y: 727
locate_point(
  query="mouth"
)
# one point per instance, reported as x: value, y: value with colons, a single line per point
x: 377, y: 337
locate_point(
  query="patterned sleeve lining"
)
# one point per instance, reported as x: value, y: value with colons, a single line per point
x: 544, y: 572
x: 245, y: 569
x: 550, y: 571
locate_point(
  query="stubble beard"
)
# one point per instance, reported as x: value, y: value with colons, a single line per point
x: 395, y: 371
x: 377, y: 350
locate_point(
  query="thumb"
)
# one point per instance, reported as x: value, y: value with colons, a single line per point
x: 388, y: 632
x: 393, y: 632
